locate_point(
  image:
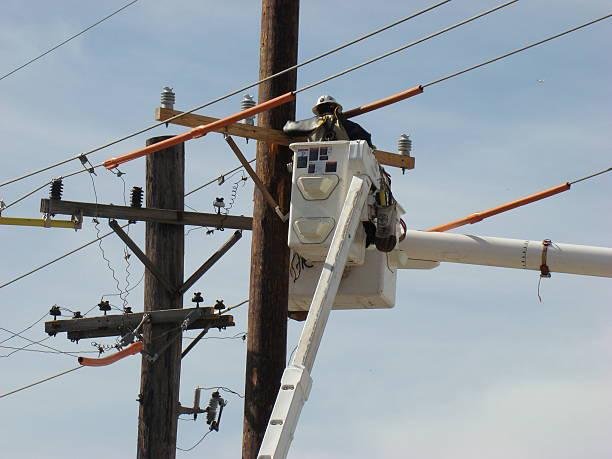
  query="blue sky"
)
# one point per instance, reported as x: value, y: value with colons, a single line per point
x: 469, y: 364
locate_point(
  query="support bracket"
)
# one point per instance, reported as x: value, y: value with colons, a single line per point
x: 210, y: 262
x: 141, y: 256
x: 256, y: 180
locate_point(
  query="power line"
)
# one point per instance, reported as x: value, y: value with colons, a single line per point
x: 197, y: 443
x: 346, y: 71
x: 24, y: 330
x: 17, y: 349
x: 317, y: 83
x: 38, y: 343
x: 516, y: 51
x: 404, y: 47
x: 41, y: 381
x: 31, y: 61
x: 61, y: 257
x: 226, y: 96
x: 222, y: 176
x: 30, y: 193
x: 591, y: 176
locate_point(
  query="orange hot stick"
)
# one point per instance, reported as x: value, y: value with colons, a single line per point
x: 132, y: 349
x: 384, y: 102
x: 200, y: 131
x: 478, y: 216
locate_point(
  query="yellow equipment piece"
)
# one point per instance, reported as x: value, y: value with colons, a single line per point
x: 41, y: 222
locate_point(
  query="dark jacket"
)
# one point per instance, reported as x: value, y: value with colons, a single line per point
x: 327, y: 127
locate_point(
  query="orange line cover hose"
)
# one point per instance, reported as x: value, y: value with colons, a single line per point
x: 200, y: 131
x: 132, y: 349
x: 478, y: 216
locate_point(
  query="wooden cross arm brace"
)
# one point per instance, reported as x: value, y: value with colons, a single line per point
x: 141, y: 256
x: 174, y: 217
x: 118, y: 325
x: 268, y: 135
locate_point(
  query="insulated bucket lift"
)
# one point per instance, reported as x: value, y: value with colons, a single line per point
x: 333, y: 188
x: 322, y: 174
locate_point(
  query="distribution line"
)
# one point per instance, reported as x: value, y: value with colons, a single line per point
x: 103, y: 236
x: 38, y: 343
x: 40, y: 350
x: 31, y: 61
x: 30, y: 193
x: 516, y: 51
x: 41, y: 381
x: 591, y: 176
x: 197, y: 443
x: 337, y: 75
x: 228, y: 95
x: 405, y: 47
x: 13, y: 335
x: 285, y: 98
x: 425, y: 85
x: 58, y: 259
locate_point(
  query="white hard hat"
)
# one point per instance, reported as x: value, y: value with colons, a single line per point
x: 325, y: 99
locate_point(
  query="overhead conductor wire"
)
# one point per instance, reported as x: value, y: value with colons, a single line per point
x: 87, y: 244
x: 50, y: 50
x: 305, y: 88
x: 41, y: 381
x: 404, y: 47
x: 428, y: 84
x: 228, y: 95
x: 518, y: 50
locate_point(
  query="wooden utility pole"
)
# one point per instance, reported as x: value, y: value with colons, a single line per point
x: 267, y: 329
x: 160, y: 379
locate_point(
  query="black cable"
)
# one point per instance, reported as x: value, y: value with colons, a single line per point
x: 404, y: 47
x: 197, y: 443
x: 228, y: 95
x: 38, y: 343
x: 41, y: 381
x: 591, y: 176
x: 25, y: 329
x: 518, y: 50
x: 31, y: 61
x: 55, y: 260
x: 41, y: 351
x: 339, y: 74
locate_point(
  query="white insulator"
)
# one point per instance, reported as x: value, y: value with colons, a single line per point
x: 246, y: 103
x: 168, y: 98
x: 404, y: 145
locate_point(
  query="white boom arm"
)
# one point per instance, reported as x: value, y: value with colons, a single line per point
x: 507, y: 253
x: 296, y: 380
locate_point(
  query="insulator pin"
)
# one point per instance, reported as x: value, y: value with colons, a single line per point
x: 404, y: 145
x: 168, y: 98
x: 104, y: 306
x: 197, y: 298
x: 55, y: 311
x: 246, y: 103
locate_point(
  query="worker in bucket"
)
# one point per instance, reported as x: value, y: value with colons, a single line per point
x: 328, y: 124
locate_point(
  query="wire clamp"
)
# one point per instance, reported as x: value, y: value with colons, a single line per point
x: 86, y: 164
x: 544, y: 269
